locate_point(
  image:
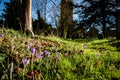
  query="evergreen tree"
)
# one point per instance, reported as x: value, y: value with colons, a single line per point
x: 39, y: 24
x: 66, y: 17
x: 98, y: 12
x: 12, y: 14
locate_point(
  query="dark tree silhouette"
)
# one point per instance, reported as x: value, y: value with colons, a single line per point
x: 117, y: 15
x: 66, y: 17
x: 40, y: 26
x: 12, y: 14
x: 98, y: 12
x: 118, y: 26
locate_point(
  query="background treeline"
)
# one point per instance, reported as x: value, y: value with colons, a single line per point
x: 67, y: 18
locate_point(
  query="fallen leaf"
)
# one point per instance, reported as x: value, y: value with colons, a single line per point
x: 98, y: 63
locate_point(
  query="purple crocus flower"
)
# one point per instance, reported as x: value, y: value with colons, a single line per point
x: 38, y: 56
x: 33, y: 50
x: 25, y: 61
x: 1, y: 35
x: 47, y: 53
x: 57, y: 57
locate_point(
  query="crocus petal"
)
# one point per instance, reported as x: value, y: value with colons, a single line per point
x: 47, y: 53
x: 33, y: 50
x: 24, y: 61
x: 38, y: 56
x: 57, y: 57
x: 1, y: 35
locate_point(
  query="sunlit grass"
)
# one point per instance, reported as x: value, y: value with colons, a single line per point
x: 54, y: 58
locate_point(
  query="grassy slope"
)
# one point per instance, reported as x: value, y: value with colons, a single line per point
x: 68, y: 59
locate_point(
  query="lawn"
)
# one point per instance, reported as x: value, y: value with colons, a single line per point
x: 52, y: 58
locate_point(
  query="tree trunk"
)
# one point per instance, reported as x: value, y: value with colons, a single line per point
x: 104, y: 26
x: 66, y: 17
x: 27, y: 17
x: 118, y: 26
x: 103, y: 19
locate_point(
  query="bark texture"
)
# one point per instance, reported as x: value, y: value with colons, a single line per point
x: 27, y: 16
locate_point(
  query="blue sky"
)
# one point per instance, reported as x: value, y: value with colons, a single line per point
x: 34, y: 10
x: 2, y: 5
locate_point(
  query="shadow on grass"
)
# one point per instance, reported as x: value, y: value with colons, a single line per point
x: 80, y: 40
x: 117, y: 44
x: 112, y: 42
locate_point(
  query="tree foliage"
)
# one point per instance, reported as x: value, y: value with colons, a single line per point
x: 12, y: 14
x: 98, y: 13
x: 40, y: 26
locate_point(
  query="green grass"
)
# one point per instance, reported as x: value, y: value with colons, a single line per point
x: 56, y: 58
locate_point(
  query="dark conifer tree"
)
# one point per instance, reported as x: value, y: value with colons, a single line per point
x: 66, y: 17
x: 12, y: 14
x: 100, y: 12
